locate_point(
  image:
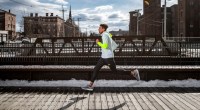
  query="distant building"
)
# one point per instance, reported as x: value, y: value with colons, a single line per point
x: 152, y: 21
x: 174, y: 10
x: 141, y: 24
x: 3, y: 36
x: 172, y: 21
x: 119, y: 33
x: 71, y: 29
x: 189, y: 19
x: 152, y: 15
x: 43, y: 26
x: 133, y: 23
x: 8, y: 23
x: 168, y: 20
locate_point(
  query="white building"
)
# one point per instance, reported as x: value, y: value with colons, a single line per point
x: 3, y: 36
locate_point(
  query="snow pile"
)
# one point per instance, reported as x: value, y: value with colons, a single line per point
x: 103, y: 83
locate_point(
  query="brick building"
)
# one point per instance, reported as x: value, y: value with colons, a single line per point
x: 43, y: 26
x: 152, y: 15
x: 133, y: 23
x: 172, y: 21
x: 8, y: 23
x: 49, y: 26
x: 174, y: 10
x: 189, y: 19
x: 169, y: 21
x: 152, y: 20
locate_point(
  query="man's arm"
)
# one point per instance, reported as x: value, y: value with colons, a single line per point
x: 102, y: 45
x: 105, y: 42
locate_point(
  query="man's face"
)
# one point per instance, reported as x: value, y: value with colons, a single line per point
x: 101, y: 30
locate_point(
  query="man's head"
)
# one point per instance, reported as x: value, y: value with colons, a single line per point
x: 102, y: 28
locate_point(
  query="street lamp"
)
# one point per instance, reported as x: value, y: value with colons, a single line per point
x: 165, y: 19
x: 63, y: 11
x: 86, y: 32
x: 138, y: 15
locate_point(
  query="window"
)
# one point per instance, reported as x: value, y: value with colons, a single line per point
x: 191, y: 25
x: 199, y: 26
x: 181, y: 26
x: 181, y: 15
x: 191, y: 34
x: 135, y: 14
x: 181, y: 4
x: 1, y: 26
x: 191, y: 3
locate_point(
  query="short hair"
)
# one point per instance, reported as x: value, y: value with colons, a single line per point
x: 105, y: 26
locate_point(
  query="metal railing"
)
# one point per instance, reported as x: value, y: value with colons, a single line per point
x: 84, y: 51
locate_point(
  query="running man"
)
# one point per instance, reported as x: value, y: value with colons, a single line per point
x: 107, y: 58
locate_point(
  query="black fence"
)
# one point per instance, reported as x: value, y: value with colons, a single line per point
x: 84, y: 51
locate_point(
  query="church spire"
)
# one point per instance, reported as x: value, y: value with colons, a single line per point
x: 70, y: 13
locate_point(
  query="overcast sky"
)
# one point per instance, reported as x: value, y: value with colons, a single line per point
x: 92, y: 12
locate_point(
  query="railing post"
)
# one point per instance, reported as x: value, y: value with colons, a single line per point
x: 53, y: 47
x: 143, y: 45
x: 88, y: 53
x: 180, y: 53
x: 82, y: 45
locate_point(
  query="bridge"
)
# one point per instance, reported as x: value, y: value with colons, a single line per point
x: 147, y: 53
x: 67, y: 58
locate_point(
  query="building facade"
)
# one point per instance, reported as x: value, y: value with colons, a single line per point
x: 174, y: 10
x: 152, y: 17
x: 43, y: 26
x: 189, y: 19
x: 168, y: 21
x: 8, y: 23
x: 133, y: 23
x: 171, y: 21
x: 119, y: 33
x: 152, y: 21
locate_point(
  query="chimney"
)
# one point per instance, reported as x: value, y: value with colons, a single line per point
x: 51, y: 14
x: 47, y: 14
x: 36, y: 14
x: 31, y: 14
x: 9, y: 10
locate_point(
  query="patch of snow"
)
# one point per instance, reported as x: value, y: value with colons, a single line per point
x: 103, y: 83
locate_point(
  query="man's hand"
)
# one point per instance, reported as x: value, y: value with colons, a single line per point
x: 97, y: 40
